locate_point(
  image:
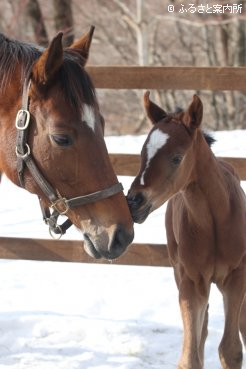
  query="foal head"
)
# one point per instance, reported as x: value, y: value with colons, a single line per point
x: 66, y: 141
x: 166, y: 157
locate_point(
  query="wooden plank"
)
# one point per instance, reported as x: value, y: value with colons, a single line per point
x: 129, y: 164
x: 239, y: 164
x: 125, y: 164
x: 73, y: 251
x: 165, y: 78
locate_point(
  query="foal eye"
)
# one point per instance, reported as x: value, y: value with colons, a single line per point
x: 176, y: 159
x: 62, y: 140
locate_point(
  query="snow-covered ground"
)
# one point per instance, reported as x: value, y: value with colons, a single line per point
x: 78, y: 316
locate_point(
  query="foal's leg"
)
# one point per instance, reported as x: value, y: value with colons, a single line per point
x: 230, y: 349
x: 204, y: 334
x: 193, y: 305
x: 242, y: 323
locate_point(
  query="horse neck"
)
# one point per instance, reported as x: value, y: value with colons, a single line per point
x: 10, y: 103
x: 206, y: 186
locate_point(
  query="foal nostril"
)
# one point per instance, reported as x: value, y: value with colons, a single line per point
x: 136, y: 200
x: 139, y: 206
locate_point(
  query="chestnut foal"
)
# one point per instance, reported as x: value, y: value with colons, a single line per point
x: 205, y: 225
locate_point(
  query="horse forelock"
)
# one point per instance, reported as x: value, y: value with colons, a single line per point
x: 76, y: 83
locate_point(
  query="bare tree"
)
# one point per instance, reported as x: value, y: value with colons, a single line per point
x: 139, y: 32
x: 34, y: 14
x: 63, y: 18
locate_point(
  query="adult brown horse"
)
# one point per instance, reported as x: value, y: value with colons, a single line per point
x: 54, y: 145
x: 205, y: 225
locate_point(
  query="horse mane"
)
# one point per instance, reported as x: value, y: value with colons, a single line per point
x: 76, y: 83
x: 13, y: 52
x: 209, y: 138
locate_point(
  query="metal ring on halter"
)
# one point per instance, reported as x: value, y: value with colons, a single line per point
x: 27, y: 119
x: 55, y: 236
x: 27, y: 153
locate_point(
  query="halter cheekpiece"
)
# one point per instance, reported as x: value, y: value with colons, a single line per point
x: 59, y: 204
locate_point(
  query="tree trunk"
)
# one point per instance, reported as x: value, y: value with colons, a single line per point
x: 242, y: 39
x: 63, y: 18
x: 34, y: 13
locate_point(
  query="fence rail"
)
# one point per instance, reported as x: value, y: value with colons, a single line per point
x: 112, y: 77
x: 73, y: 251
x: 169, y: 78
x: 128, y: 164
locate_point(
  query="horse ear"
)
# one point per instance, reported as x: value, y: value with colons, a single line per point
x: 50, y: 61
x: 82, y: 45
x: 153, y: 111
x: 193, y: 116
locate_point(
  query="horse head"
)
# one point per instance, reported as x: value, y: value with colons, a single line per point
x: 166, y: 161
x: 66, y: 143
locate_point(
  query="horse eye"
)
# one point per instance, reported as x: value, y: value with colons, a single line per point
x: 176, y: 159
x: 62, y: 140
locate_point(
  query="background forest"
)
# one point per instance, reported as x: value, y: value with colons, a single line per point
x: 138, y: 32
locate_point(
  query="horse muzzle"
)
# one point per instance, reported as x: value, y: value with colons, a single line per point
x: 139, y: 206
x: 108, y: 246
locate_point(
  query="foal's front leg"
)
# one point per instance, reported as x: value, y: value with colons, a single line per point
x: 242, y: 322
x: 193, y: 305
x: 230, y: 349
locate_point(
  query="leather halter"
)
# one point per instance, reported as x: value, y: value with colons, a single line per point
x: 59, y: 204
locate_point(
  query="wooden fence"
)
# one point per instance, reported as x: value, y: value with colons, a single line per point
x: 175, y: 78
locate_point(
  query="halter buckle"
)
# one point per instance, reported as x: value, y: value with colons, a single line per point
x: 22, y: 113
x: 60, y: 205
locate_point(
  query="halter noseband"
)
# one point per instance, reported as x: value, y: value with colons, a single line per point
x: 59, y: 204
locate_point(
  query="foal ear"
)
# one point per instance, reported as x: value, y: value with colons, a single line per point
x: 193, y: 116
x: 50, y: 61
x: 153, y: 111
x: 82, y: 45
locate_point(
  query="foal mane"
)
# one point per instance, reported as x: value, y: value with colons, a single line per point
x: 76, y: 83
x: 209, y: 138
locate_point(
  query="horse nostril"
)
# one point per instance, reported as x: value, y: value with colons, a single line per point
x: 122, y: 238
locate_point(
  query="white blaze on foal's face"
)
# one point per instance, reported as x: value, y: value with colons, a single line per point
x: 157, y: 140
x: 89, y: 116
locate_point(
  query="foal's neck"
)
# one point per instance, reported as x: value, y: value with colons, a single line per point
x: 206, y: 189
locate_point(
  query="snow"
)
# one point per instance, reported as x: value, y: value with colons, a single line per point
x: 84, y: 316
